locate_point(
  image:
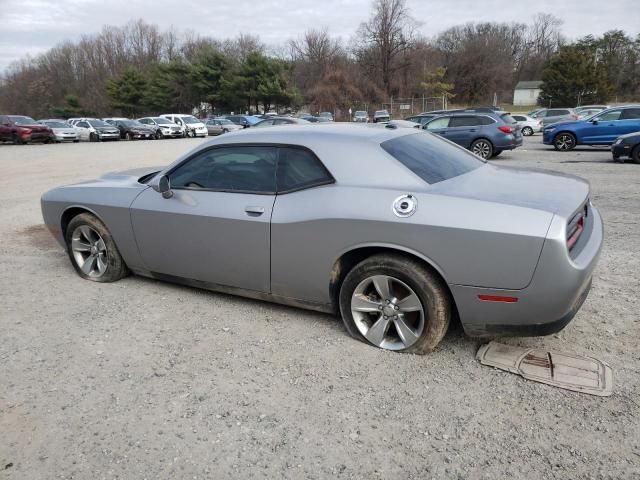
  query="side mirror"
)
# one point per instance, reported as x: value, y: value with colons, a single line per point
x: 595, y: 122
x: 164, y: 187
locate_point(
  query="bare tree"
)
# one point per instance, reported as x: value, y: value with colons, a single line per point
x: 385, y: 37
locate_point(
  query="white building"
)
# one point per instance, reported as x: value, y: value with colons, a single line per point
x: 526, y: 93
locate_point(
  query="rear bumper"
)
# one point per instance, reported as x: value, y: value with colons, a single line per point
x: 556, y: 292
x: 509, y: 142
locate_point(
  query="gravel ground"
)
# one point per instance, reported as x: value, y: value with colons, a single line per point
x: 141, y: 379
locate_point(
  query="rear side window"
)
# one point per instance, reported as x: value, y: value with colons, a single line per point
x: 430, y: 157
x: 630, y: 114
x: 555, y: 113
x: 465, y: 121
x: 299, y: 168
x: 506, y: 118
x: 610, y: 116
x: 519, y: 118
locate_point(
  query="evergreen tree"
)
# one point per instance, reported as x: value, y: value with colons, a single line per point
x: 128, y: 92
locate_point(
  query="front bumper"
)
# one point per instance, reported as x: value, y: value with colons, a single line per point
x: 66, y: 137
x: 621, y: 150
x: 558, y: 289
x: 109, y: 136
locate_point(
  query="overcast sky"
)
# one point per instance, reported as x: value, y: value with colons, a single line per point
x: 33, y: 26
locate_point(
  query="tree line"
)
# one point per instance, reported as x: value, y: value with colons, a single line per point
x: 137, y: 69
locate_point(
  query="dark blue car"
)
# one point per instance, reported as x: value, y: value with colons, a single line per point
x: 601, y: 129
x: 627, y: 146
x: 485, y: 134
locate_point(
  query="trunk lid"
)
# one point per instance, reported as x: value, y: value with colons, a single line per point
x: 549, y: 191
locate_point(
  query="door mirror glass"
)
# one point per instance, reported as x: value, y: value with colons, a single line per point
x: 164, y: 187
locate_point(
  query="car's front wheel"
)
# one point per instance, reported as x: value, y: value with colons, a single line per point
x: 635, y: 155
x: 563, y: 142
x: 92, y: 251
x: 396, y: 303
x: 483, y: 148
x: 527, y: 131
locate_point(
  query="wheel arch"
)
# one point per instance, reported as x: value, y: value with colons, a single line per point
x: 71, y: 212
x: 351, y: 257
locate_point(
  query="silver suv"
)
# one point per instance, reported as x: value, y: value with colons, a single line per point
x: 553, y: 115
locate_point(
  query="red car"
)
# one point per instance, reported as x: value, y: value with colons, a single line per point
x: 20, y: 130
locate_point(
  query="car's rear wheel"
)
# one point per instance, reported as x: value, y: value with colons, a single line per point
x: 527, y: 131
x: 483, y: 148
x: 93, y: 137
x: 129, y: 136
x: 159, y: 135
x: 394, y: 302
x: 225, y: 131
x: 635, y: 155
x: 17, y: 140
x: 563, y: 142
x: 92, y: 251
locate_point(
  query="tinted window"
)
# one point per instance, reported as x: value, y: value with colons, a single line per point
x: 82, y: 124
x: 487, y: 121
x: 298, y: 168
x: 430, y: 157
x: 234, y: 169
x: 519, y: 118
x: 466, y: 121
x: 506, y: 118
x: 556, y: 113
x: 630, y: 114
x: 438, y: 123
x: 610, y: 116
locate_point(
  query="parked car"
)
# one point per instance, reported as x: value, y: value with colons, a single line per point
x: 163, y: 128
x: 20, y: 129
x: 627, y: 146
x: 62, y: 130
x: 72, y: 121
x: 218, y: 126
x: 305, y: 116
x: 601, y: 129
x: 360, y: 116
x: 132, y: 129
x: 317, y: 119
x: 381, y: 116
x: 192, y: 127
x: 326, y: 115
x: 424, y: 233
x: 94, y: 130
x: 553, y: 115
x: 591, y: 107
x: 528, y: 126
x: 273, y: 121
x: 244, y: 121
x: 485, y: 134
x: 422, y: 118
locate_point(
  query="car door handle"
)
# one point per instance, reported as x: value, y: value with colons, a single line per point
x: 254, y: 211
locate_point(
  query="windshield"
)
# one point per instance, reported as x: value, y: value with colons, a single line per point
x: 131, y: 123
x: 98, y: 123
x: 252, y: 120
x: 325, y: 114
x: 430, y: 157
x: 162, y: 121
x: 190, y: 119
x: 382, y: 112
x: 22, y: 120
x: 361, y: 114
x: 57, y: 125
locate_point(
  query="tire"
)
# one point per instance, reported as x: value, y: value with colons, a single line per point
x: 128, y: 136
x: 76, y: 141
x: 84, y: 235
x: 527, y: 131
x: 159, y: 135
x: 415, y: 285
x: 225, y: 131
x: 564, y: 142
x: 483, y: 148
x: 93, y: 137
x: 635, y: 155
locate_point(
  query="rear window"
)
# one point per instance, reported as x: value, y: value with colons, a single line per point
x: 465, y: 121
x: 506, y: 118
x: 430, y: 157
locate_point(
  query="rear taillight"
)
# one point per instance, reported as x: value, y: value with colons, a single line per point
x: 574, y: 117
x: 575, y: 228
x: 506, y: 129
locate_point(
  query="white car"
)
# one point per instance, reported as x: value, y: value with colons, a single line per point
x: 164, y: 128
x: 190, y: 125
x: 95, y: 130
x: 528, y: 125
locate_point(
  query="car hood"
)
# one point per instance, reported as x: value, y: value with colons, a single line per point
x: 573, y: 123
x: 544, y: 190
x: 629, y: 135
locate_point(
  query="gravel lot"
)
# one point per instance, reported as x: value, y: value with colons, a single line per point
x: 141, y: 379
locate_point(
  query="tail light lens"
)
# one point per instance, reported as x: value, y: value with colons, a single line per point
x: 506, y: 129
x: 575, y: 228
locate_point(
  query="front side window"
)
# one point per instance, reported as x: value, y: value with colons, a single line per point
x: 438, y: 123
x: 18, y: 120
x: 243, y: 169
x: 82, y: 125
x: 163, y: 121
x: 99, y: 124
x: 299, y: 168
x: 430, y: 157
x: 518, y: 118
x: 609, y: 116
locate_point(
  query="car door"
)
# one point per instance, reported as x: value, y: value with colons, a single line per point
x: 438, y: 126
x: 216, y: 226
x: 602, y: 129
x: 629, y: 121
x: 463, y: 129
x: 83, y: 129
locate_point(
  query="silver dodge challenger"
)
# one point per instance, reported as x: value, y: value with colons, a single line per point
x: 397, y: 230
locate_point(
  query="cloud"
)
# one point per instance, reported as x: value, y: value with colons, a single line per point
x: 33, y: 26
